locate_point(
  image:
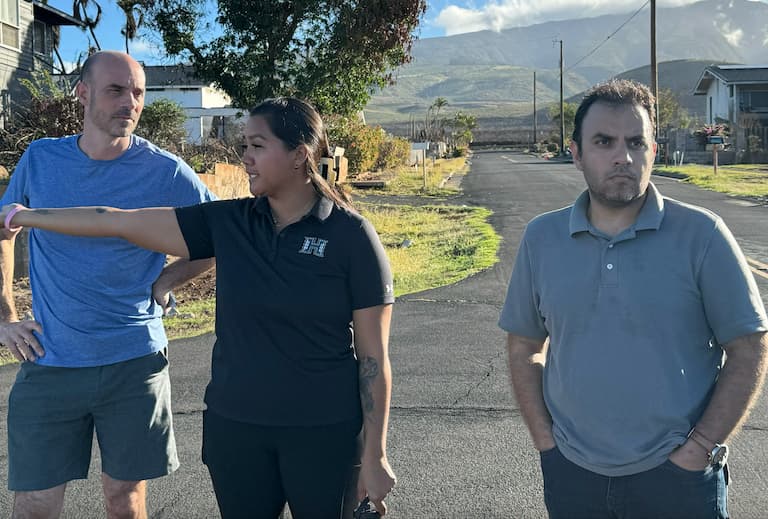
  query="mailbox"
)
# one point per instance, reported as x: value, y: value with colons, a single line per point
x: 715, y: 139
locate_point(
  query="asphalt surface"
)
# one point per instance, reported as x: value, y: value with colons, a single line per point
x: 457, y: 442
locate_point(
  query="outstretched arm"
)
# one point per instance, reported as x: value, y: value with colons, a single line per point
x: 372, y: 345
x: 155, y: 228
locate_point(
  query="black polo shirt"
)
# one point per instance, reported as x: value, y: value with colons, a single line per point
x: 284, y: 348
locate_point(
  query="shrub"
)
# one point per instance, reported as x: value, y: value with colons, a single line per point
x: 393, y: 152
x: 162, y: 123
x: 703, y: 133
x: 553, y: 147
x: 361, y: 142
x: 459, y: 151
x: 52, y: 112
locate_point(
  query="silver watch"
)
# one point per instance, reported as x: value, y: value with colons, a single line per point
x: 718, y: 456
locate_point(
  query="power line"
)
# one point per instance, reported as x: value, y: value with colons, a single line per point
x: 610, y: 35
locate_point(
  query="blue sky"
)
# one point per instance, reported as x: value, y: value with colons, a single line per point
x: 443, y: 18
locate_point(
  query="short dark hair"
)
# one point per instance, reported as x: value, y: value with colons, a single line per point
x: 296, y: 122
x: 615, y: 92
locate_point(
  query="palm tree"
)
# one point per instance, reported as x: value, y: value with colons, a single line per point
x: 437, y: 126
x: 80, y: 11
x: 131, y: 8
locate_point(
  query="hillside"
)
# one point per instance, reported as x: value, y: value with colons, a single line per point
x: 490, y: 74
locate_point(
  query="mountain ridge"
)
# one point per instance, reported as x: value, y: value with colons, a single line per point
x: 490, y: 74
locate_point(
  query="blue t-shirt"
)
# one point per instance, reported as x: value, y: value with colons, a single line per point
x: 93, y: 296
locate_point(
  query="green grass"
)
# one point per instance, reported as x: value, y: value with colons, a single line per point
x: 204, y: 312
x: 740, y: 179
x: 409, y: 181
x: 447, y: 243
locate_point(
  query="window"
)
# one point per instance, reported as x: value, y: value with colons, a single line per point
x: 39, y: 38
x: 9, y: 23
x: 754, y: 101
x: 759, y: 101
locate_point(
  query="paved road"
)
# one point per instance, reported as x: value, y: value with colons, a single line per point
x: 457, y: 441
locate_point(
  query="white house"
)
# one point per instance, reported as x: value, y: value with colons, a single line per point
x: 737, y: 95
x: 206, y: 106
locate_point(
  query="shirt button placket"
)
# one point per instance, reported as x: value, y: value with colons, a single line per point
x: 609, y: 268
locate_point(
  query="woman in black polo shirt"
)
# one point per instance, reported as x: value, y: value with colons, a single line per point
x: 303, y: 306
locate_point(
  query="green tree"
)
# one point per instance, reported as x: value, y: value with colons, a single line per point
x: 162, y: 122
x: 333, y: 52
x: 463, y: 124
x: 671, y: 114
x: 569, y: 113
x: 434, y: 126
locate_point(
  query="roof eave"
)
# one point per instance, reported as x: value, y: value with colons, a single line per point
x: 52, y: 16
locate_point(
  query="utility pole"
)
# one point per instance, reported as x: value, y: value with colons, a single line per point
x: 535, y: 134
x: 562, y: 110
x: 654, y: 65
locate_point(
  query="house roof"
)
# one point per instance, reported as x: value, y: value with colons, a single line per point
x: 52, y: 16
x: 172, y: 75
x: 157, y: 76
x: 731, y: 75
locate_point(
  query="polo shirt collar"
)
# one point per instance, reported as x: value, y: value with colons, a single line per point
x: 649, y: 218
x: 321, y: 210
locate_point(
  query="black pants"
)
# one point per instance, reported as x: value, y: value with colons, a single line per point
x: 255, y: 469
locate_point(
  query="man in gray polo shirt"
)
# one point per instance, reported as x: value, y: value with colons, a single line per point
x: 620, y: 311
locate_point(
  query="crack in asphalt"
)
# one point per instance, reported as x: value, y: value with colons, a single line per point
x: 483, y: 378
x: 498, y: 412
x: 757, y: 428
x: 406, y: 299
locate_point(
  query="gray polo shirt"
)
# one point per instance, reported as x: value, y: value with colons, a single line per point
x: 635, y: 324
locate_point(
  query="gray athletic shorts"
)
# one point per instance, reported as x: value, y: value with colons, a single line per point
x: 52, y: 413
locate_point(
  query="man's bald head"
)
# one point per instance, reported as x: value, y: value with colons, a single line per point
x: 101, y: 57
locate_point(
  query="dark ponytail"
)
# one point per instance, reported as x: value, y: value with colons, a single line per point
x: 297, y: 123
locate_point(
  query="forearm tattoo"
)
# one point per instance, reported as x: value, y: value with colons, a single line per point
x: 368, y: 370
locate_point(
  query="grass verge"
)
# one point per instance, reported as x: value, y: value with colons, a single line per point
x: 739, y: 179
x: 428, y: 246
x: 409, y: 181
x: 433, y: 246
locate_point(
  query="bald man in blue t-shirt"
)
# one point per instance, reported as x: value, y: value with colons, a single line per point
x: 95, y: 355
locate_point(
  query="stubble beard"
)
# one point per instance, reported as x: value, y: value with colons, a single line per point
x: 618, y: 196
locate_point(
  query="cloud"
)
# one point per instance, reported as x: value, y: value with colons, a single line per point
x: 496, y: 15
x: 733, y: 36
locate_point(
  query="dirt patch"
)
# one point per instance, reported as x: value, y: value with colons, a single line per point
x: 202, y: 287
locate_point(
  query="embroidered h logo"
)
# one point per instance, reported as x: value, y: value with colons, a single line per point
x: 314, y: 246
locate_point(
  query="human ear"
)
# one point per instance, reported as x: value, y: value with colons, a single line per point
x: 574, y: 147
x: 301, y: 157
x: 81, y: 91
